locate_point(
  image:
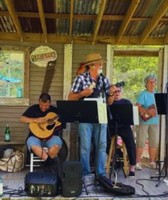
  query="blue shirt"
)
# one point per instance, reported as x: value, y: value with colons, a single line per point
x: 146, y: 99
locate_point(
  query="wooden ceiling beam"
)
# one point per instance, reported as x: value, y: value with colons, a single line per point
x: 54, y: 38
x: 138, y: 53
x: 98, y: 20
x: 134, y: 4
x: 71, y: 19
x: 14, y: 17
x: 78, y: 16
x: 154, y: 21
x: 42, y: 18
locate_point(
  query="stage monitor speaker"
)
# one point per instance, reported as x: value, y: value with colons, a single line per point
x: 71, y: 179
x: 41, y: 184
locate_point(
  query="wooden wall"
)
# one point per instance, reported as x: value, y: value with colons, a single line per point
x: 37, y: 75
x: 10, y: 114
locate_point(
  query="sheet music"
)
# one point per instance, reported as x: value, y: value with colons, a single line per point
x: 102, y: 112
x: 101, y: 109
x: 100, y: 99
x: 135, y: 115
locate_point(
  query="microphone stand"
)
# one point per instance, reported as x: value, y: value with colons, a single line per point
x: 103, y: 95
x: 105, y: 99
x: 115, y: 156
x: 166, y: 139
x: 108, y: 133
x: 165, y: 162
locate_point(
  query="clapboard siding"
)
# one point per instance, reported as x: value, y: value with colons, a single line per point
x: 37, y: 75
x: 80, y: 51
x: 11, y: 114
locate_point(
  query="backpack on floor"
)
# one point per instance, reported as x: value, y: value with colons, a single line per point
x: 13, y: 163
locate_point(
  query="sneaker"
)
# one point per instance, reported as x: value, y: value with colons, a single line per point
x: 89, y: 179
x: 152, y: 165
x: 138, y: 166
x: 131, y: 174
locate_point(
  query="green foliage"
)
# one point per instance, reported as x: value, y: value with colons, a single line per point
x: 133, y: 70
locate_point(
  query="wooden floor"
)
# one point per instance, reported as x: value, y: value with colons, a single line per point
x: 145, y: 186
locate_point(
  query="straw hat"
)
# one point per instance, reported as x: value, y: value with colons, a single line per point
x: 93, y: 58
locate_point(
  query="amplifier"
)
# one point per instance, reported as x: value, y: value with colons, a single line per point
x: 41, y: 184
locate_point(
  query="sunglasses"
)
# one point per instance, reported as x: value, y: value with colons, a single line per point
x: 117, y: 91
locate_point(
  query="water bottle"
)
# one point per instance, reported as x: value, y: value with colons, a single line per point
x: 7, y: 133
x: 1, y: 187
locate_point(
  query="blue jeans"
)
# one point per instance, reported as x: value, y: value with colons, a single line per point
x: 98, y: 132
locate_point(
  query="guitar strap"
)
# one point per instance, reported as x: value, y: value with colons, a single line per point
x: 49, y: 74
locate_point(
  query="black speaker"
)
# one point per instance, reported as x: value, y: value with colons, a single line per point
x: 41, y: 184
x: 71, y: 179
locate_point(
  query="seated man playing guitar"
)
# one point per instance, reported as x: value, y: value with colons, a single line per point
x: 44, y: 129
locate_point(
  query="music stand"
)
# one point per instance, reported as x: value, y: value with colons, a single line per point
x: 78, y: 111
x: 161, y: 99
x: 122, y: 114
x: 161, y: 104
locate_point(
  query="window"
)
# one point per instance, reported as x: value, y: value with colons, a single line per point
x: 14, y: 75
x: 132, y: 65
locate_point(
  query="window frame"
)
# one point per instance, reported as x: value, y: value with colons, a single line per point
x: 14, y: 101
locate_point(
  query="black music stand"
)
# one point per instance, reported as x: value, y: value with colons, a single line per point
x: 122, y: 114
x: 161, y: 104
x: 78, y: 111
x: 161, y: 101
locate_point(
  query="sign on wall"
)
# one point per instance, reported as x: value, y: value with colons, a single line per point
x: 42, y: 55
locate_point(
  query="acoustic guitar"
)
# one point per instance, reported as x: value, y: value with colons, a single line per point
x: 145, y: 116
x: 46, y: 129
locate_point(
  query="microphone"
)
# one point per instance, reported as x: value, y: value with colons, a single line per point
x: 103, y: 91
x: 101, y: 74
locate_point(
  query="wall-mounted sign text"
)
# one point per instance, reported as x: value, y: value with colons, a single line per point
x: 42, y: 55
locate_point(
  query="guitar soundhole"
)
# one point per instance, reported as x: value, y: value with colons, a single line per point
x: 50, y: 127
x: 50, y: 121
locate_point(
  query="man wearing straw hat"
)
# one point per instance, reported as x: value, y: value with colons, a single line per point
x: 91, y: 84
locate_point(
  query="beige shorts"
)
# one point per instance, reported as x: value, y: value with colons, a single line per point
x: 150, y: 132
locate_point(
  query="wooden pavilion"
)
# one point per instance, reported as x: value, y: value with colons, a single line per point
x: 72, y: 29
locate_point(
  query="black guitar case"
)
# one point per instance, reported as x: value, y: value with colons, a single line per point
x: 115, y: 188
